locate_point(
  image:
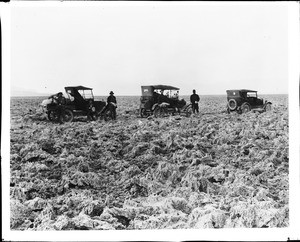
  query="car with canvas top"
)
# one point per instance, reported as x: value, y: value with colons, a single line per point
x: 245, y: 100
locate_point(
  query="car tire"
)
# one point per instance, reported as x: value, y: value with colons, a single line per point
x: 69, y: 116
x: 143, y: 113
x: 52, y: 116
x: 158, y: 112
x: 245, y: 108
x: 232, y: 104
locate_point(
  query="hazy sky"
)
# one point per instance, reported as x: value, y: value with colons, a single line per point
x: 122, y: 46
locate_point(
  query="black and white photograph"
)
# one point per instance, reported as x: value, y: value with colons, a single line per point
x: 150, y: 121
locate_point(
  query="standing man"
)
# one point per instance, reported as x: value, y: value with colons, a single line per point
x: 61, y: 101
x: 195, y: 100
x: 112, y: 102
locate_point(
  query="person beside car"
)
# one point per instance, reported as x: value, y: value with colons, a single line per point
x: 60, y: 101
x: 111, y: 100
x: 195, y: 100
x: 90, y: 109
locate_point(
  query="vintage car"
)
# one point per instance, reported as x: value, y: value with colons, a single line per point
x: 80, y: 102
x: 161, y: 100
x: 244, y: 100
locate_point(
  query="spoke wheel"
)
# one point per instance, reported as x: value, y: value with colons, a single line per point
x: 143, y: 113
x: 52, y: 116
x: 159, y: 112
x: 69, y: 116
x: 245, y: 108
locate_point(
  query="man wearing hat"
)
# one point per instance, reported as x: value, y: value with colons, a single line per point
x: 60, y: 99
x: 113, y: 102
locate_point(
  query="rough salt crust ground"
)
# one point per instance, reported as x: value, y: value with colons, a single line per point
x: 212, y: 170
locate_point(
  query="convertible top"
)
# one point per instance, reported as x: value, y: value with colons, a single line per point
x: 78, y: 88
x: 162, y: 87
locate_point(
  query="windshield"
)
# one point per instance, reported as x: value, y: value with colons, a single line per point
x: 86, y: 94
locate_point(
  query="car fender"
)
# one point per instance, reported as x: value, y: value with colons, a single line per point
x: 164, y: 105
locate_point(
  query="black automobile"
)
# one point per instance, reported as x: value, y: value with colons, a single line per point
x: 244, y: 100
x: 80, y: 102
x: 161, y: 100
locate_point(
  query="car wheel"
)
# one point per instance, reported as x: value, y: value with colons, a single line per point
x: 268, y: 107
x: 52, y: 116
x: 245, y: 108
x: 158, y: 112
x: 232, y: 104
x: 143, y: 113
x: 69, y: 116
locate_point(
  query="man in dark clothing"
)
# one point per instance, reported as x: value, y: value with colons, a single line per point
x: 112, y: 104
x: 90, y: 109
x: 60, y: 101
x: 194, y: 100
